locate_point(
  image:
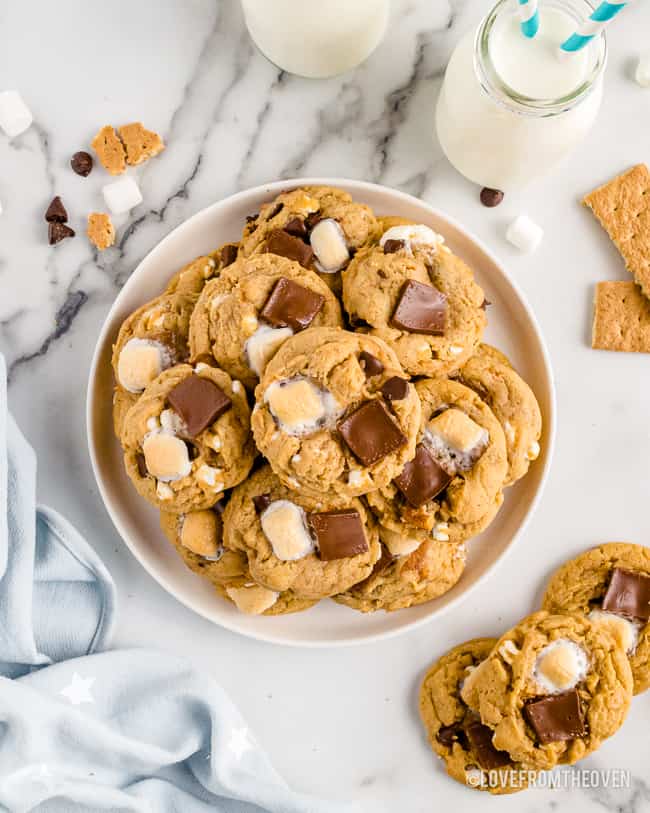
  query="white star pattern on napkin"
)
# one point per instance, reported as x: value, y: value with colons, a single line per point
x: 240, y: 742
x: 79, y: 690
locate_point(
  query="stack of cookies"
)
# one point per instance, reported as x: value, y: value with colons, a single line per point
x: 551, y: 689
x: 314, y: 414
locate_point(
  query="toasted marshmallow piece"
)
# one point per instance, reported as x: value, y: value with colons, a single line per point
x: 166, y: 457
x: 398, y: 544
x: 298, y: 406
x: 560, y: 666
x: 199, y: 533
x: 122, y: 196
x: 172, y: 422
x: 15, y: 116
x: 140, y: 361
x: 285, y: 526
x: 624, y: 630
x: 525, y: 234
x: 210, y: 476
x: 328, y: 241
x: 253, y: 599
x: 455, y: 440
x: 263, y: 345
x: 413, y: 236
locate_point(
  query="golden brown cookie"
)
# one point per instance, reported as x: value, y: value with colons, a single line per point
x: 590, y: 584
x: 193, y: 277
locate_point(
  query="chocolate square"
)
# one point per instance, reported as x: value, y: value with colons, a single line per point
x: 557, y: 717
x: 422, y: 478
x: 370, y: 364
x: 449, y: 734
x: 392, y: 246
x: 480, y: 740
x: 339, y: 534
x: 420, y: 309
x: 296, y: 228
x: 628, y: 594
x: 395, y: 389
x: 229, y: 254
x: 371, y: 433
x: 286, y: 245
x: 198, y: 402
x: 291, y: 305
x: 261, y: 502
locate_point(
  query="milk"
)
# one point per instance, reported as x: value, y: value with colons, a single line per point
x: 510, y: 108
x: 316, y: 38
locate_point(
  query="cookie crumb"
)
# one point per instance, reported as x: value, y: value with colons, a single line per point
x: 101, y: 231
x: 110, y: 150
x: 140, y: 143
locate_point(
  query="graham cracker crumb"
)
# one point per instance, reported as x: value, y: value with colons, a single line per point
x: 101, y: 231
x: 140, y: 143
x: 110, y: 150
x: 621, y: 318
x: 623, y: 208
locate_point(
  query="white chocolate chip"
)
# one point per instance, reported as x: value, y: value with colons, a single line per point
x: 328, y: 241
x: 171, y: 422
x: 413, y: 236
x: 456, y: 349
x: 140, y: 361
x: 153, y: 424
x: 355, y: 477
x: 263, y: 345
x: 209, y: 475
x: 202, y: 366
x: 439, y: 532
x: 533, y: 451
x: 237, y: 387
x: 624, y: 630
x: 252, y: 599
x: 398, y: 544
x: 299, y: 406
x: 560, y: 666
x: 15, y: 116
x: 249, y: 323
x: 509, y: 431
x: 525, y: 234
x: 285, y: 526
x: 199, y: 531
x: 216, y: 301
x: 123, y: 195
x: 509, y: 650
x: 166, y: 457
x: 455, y: 440
x: 164, y: 491
x: 296, y: 459
x: 214, y: 442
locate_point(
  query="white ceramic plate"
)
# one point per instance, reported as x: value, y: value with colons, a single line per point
x: 512, y: 328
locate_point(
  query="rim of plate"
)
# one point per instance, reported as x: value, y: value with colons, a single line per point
x: 208, y: 213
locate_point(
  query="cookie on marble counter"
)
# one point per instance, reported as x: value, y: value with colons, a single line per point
x: 335, y: 415
x: 256, y: 304
x: 611, y: 584
x: 455, y: 733
x: 187, y: 438
x: 193, y: 277
x: 422, y: 300
x: 417, y: 575
x: 513, y: 403
x: 552, y: 690
x: 315, y: 548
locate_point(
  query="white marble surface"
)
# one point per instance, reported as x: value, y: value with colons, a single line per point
x: 337, y: 722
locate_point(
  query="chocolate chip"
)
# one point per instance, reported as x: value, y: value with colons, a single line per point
x: 82, y: 163
x: 312, y: 220
x: 479, y: 737
x: 296, y: 227
x: 391, y: 246
x: 198, y: 402
x: 252, y: 218
x: 449, y: 734
x: 420, y: 309
x: 422, y: 478
x: 275, y: 211
x: 291, y: 305
x: 228, y: 254
x: 491, y: 197
x: 285, y: 245
x: 395, y: 389
x: 57, y: 232
x: 370, y: 364
x: 261, y: 502
x: 557, y: 717
x: 141, y: 464
x: 192, y: 451
x: 485, y: 304
x: 339, y: 534
x: 56, y: 212
x: 371, y: 433
x: 628, y: 594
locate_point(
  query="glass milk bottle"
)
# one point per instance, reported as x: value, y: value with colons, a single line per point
x: 510, y: 108
x: 316, y: 38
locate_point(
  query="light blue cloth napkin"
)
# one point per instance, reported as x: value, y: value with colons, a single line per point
x: 86, y: 730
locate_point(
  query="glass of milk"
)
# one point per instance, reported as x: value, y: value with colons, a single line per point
x: 510, y: 108
x: 316, y: 38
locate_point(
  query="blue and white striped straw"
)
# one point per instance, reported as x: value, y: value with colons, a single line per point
x: 529, y: 16
x: 593, y: 25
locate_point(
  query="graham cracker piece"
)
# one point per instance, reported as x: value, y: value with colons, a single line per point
x: 140, y: 143
x: 623, y: 208
x: 101, y: 231
x: 621, y: 318
x: 110, y: 150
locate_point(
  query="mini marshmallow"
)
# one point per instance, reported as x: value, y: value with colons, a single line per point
x: 164, y: 491
x: 398, y: 544
x: 328, y: 242
x: 560, y: 666
x: 455, y: 440
x: 298, y: 406
x: 166, y: 457
x: 439, y: 532
x: 263, y: 345
x: 171, y: 422
x: 252, y: 599
x: 122, y: 196
x: 140, y: 361
x: 533, y: 451
x: 509, y: 650
x: 413, y: 236
x: 210, y: 476
x: 642, y: 74
x: 15, y: 116
x: 199, y: 533
x: 624, y: 630
x: 285, y: 526
x: 525, y: 234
